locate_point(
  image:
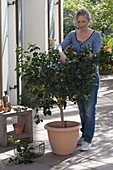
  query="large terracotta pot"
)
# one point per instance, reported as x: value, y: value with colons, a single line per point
x: 63, y: 141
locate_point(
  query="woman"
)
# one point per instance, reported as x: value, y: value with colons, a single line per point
x: 79, y: 38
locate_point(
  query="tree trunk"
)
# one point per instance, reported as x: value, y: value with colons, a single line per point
x: 61, y: 112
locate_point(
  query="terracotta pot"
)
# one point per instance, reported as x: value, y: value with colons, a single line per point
x: 1, y: 108
x: 18, y: 128
x: 63, y: 141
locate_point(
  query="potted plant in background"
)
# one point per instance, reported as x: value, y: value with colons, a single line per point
x: 18, y: 128
x: 106, y: 55
x: 46, y: 82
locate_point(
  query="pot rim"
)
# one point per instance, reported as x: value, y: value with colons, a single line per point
x: 53, y: 126
x: 18, y: 124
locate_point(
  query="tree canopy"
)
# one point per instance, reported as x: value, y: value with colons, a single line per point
x: 101, y: 11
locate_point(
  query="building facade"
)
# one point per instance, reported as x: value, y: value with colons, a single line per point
x: 23, y: 22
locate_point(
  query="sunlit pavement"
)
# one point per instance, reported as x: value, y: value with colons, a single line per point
x: 99, y: 157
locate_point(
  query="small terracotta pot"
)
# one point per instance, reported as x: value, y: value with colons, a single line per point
x: 18, y: 128
x: 1, y: 108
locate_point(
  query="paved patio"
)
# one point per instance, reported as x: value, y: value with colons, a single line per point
x: 99, y: 157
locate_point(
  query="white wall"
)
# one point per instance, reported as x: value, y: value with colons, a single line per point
x: 36, y: 23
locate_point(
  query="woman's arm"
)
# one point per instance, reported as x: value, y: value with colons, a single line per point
x: 62, y: 46
x: 62, y: 55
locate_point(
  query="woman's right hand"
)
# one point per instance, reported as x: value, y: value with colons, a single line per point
x: 63, y: 57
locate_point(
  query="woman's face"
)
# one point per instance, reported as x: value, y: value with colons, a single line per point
x: 82, y: 22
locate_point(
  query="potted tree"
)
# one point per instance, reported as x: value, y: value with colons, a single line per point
x: 46, y: 82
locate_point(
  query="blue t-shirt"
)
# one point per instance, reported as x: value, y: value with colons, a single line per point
x: 95, y: 41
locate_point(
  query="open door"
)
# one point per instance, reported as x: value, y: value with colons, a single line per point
x: 12, y: 54
x: 8, y: 79
x: 55, y: 19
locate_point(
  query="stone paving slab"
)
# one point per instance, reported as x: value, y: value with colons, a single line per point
x: 33, y: 166
x: 105, y: 156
